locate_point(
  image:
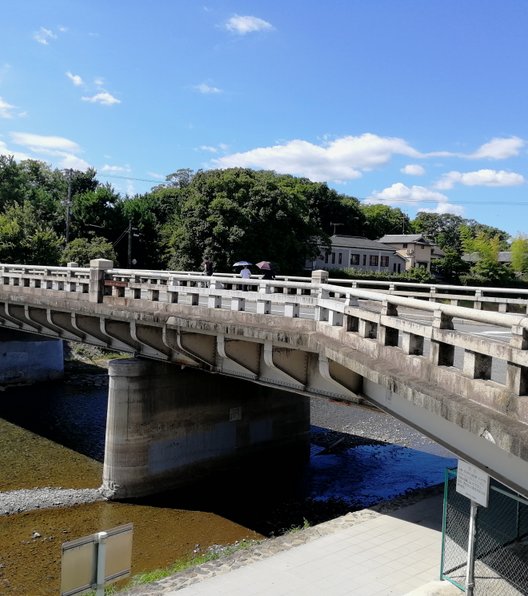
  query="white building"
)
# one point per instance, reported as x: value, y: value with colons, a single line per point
x: 356, y: 252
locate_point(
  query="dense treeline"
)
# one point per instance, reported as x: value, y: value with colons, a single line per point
x: 50, y: 217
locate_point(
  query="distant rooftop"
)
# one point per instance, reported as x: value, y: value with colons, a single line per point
x: 358, y: 242
x: 404, y: 238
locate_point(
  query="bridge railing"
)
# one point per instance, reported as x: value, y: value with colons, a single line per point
x: 349, y: 312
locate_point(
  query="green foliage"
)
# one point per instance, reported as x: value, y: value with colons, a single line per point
x: 451, y: 266
x: 441, y: 229
x: 26, y: 239
x: 244, y: 214
x: 418, y: 274
x: 83, y: 250
x: 519, y: 255
x: 382, y: 219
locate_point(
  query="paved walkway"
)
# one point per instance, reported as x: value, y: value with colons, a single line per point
x: 366, y: 553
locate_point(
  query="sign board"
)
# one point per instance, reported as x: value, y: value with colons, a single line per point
x: 81, y: 559
x: 473, y: 483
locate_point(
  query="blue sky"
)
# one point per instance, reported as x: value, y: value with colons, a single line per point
x: 420, y: 104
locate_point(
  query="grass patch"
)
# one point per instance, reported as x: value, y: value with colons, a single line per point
x: 211, y: 554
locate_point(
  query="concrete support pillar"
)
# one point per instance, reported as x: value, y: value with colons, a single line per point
x: 97, y: 276
x: 168, y: 427
x: 26, y: 359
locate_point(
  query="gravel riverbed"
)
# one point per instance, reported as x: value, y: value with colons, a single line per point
x: 18, y: 501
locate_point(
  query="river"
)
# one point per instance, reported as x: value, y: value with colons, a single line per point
x: 53, y: 436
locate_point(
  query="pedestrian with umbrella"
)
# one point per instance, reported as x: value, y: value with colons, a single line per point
x: 267, y: 269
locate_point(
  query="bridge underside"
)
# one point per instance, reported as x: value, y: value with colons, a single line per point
x: 475, y: 418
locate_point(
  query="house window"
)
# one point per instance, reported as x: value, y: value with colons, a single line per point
x: 384, y: 261
x: 333, y: 258
x: 354, y: 259
x: 364, y: 260
x: 373, y: 260
x: 404, y: 245
x: 340, y: 258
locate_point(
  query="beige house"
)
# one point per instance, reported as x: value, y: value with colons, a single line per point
x: 414, y: 248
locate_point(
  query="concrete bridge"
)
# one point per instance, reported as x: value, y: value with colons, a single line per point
x: 407, y: 348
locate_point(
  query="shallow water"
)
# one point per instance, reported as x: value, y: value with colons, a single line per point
x: 62, y: 444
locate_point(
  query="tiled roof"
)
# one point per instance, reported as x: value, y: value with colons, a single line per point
x: 359, y: 242
x: 403, y: 238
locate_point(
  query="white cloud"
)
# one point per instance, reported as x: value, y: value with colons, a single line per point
x: 499, y: 148
x: 342, y: 159
x: 413, y: 169
x: 400, y: 194
x: 16, y: 154
x: 247, y: 24
x: 62, y: 150
x: 44, y: 36
x: 104, y: 98
x: 213, y: 148
x: 40, y: 143
x: 116, y: 169
x: 75, y: 79
x: 480, y: 178
x: 69, y: 161
x: 6, y: 109
x: 207, y: 89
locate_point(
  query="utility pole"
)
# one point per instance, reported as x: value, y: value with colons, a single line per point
x: 129, y: 259
x: 68, y: 205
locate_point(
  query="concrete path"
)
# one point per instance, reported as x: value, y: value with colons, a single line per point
x: 366, y: 553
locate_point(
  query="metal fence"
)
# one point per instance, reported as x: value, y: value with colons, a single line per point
x: 501, y: 543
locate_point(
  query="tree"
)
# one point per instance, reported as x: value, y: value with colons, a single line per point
x: 382, y: 220
x: 519, y: 255
x: 241, y: 213
x: 83, y: 250
x: 487, y: 268
x: 441, y: 229
x: 25, y: 239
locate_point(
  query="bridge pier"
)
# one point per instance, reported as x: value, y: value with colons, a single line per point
x: 168, y: 427
x: 26, y: 359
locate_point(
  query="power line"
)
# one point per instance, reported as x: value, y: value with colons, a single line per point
x: 361, y: 199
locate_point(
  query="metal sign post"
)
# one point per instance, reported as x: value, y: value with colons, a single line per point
x: 474, y: 484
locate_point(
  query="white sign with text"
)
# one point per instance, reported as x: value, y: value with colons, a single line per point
x: 473, y: 483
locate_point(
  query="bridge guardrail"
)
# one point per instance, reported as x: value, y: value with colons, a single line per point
x: 335, y: 305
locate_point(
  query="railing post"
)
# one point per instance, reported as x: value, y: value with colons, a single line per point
x: 442, y: 354
x: 263, y: 305
x: 98, y: 267
x: 477, y: 366
x: 517, y: 375
x: 388, y: 336
x: 319, y: 276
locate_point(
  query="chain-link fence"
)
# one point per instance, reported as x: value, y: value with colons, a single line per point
x: 501, y: 541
